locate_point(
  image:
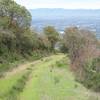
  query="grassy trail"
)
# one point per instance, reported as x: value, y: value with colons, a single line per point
x: 53, y: 82
x: 50, y: 79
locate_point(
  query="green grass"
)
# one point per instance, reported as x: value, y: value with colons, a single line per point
x: 7, y: 83
x: 51, y: 82
x: 50, y: 79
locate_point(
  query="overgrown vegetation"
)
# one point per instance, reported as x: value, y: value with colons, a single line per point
x: 84, y: 53
x: 17, y: 40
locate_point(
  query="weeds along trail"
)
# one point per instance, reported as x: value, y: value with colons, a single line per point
x: 20, y: 68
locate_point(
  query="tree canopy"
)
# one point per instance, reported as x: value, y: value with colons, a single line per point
x: 15, y: 14
x: 52, y: 35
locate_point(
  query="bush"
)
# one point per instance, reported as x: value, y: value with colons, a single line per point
x: 17, y: 40
x: 92, y: 75
x: 62, y: 63
x: 84, y: 53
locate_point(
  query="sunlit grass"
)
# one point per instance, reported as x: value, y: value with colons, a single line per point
x: 7, y: 83
x: 54, y: 83
x: 51, y: 79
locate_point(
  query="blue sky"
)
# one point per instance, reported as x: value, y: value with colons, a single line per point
x: 67, y: 4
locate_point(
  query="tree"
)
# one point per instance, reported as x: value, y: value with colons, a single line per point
x: 72, y: 41
x: 84, y: 53
x: 16, y: 14
x: 52, y: 35
x: 15, y: 33
x: 44, y: 43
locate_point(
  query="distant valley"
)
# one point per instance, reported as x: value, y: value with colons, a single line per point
x: 62, y: 18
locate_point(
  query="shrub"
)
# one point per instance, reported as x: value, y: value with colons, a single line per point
x: 92, y: 74
x: 84, y: 53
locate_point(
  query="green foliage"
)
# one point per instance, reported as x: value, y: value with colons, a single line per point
x: 63, y: 47
x: 62, y: 63
x: 17, y: 40
x: 92, y: 75
x: 15, y: 21
x: 16, y: 14
x: 52, y: 35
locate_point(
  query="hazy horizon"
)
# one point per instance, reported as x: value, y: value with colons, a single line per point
x: 67, y: 4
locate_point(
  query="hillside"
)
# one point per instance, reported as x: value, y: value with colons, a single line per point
x: 62, y: 18
x: 42, y: 63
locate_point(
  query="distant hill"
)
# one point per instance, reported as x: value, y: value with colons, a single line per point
x: 62, y: 18
x: 58, y: 13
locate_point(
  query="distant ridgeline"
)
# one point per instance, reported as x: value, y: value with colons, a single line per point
x: 62, y: 18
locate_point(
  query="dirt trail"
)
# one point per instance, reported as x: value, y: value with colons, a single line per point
x: 20, y: 68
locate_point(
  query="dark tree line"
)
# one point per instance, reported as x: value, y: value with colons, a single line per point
x: 17, y: 39
x: 15, y: 32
